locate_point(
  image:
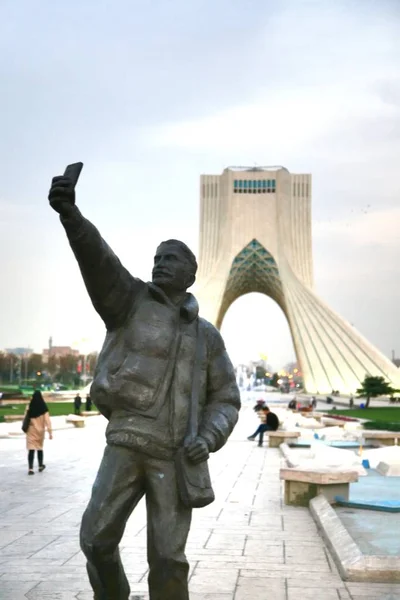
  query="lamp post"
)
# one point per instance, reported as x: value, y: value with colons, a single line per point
x: 84, y: 369
x: 26, y: 368
x: 83, y: 346
x: 20, y: 371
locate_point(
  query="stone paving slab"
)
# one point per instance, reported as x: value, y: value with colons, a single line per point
x: 246, y: 545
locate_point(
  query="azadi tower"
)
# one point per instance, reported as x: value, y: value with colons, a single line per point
x: 255, y: 236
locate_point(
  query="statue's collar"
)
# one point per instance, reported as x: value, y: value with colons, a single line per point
x: 189, y: 308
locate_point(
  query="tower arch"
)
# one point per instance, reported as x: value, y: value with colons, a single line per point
x: 253, y: 269
x: 255, y: 236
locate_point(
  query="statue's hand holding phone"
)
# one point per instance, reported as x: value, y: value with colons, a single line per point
x: 62, y: 191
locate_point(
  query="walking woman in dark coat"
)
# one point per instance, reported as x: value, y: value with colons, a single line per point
x: 39, y: 422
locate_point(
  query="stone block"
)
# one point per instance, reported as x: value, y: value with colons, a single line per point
x: 384, y: 438
x: 299, y: 493
x: 75, y: 420
x: 389, y: 470
x: 276, y: 438
x: 319, y: 476
x: 302, y: 486
x: 352, y: 564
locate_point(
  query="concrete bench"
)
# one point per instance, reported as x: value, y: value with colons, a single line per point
x: 75, y: 420
x: 90, y: 413
x: 311, y: 415
x: 276, y: 438
x: 11, y: 418
x: 13, y: 401
x: 386, y: 438
x: 301, y: 485
x: 332, y: 422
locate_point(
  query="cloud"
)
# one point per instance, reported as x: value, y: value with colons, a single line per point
x: 389, y: 90
x: 311, y: 91
x: 288, y: 118
x: 379, y: 228
x: 15, y: 212
x: 313, y: 85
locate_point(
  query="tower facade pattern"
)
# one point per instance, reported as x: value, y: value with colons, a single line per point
x: 255, y: 236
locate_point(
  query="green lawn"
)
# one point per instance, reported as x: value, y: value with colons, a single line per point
x: 55, y: 408
x: 21, y: 390
x: 386, y: 413
x: 9, y: 388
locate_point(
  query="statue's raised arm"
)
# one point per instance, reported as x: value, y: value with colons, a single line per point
x: 111, y: 287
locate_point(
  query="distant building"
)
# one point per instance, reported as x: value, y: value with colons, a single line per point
x: 58, y: 352
x: 19, y: 351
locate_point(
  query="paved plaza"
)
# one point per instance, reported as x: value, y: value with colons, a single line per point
x: 245, y: 546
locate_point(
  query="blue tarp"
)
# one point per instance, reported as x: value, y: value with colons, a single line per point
x: 374, y: 492
x: 344, y: 444
x: 383, y: 505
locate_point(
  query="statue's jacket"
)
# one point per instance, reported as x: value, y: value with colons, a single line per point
x: 143, y: 378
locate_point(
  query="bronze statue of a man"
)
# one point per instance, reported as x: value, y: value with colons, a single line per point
x: 143, y: 385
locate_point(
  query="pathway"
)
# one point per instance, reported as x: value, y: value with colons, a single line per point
x: 245, y: 546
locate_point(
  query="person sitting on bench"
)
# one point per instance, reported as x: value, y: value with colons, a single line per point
x: 271, y: 424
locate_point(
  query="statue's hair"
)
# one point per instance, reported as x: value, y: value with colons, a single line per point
x: 185, y: 250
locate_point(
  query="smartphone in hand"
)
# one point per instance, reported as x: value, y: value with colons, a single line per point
x: 73, y: 171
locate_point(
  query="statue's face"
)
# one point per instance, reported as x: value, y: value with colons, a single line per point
x: 171, y: 269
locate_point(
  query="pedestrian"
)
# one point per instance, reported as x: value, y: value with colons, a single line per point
x: 88, y: 406
x: 271, y: 424
x: 39, y: 421
x: 77, y: 404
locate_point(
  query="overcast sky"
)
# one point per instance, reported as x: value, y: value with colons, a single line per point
x: 151, y: 95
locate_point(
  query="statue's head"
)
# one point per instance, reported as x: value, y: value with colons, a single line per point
x: 175, y: 266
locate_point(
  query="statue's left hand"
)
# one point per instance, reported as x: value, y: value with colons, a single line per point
x: 197, y: 450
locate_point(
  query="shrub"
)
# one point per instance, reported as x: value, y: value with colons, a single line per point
x: 332, y: 415
x: 382, y: 425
